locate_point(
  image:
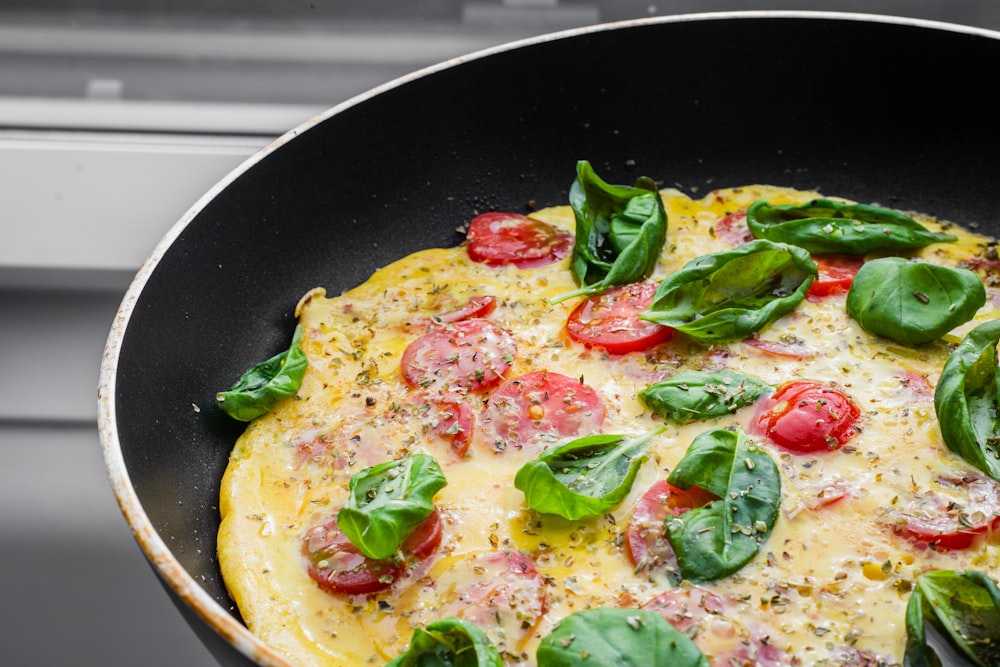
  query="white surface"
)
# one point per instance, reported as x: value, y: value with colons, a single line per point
x: 50, y: 352
x: 103, y: 111
x: 331, y: 44
x: 88, y: 202
x: 71, y: 499
x: 76, y: 589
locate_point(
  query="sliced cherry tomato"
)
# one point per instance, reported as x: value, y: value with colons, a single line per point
x: 448, y: 417
x: 339, y: 568
x: 915, y: 386
x: 836, y: 273
x: 733, y: 229
x: 685, y: 606
x: 510, y: 238
x: 540, y: 404
x: 462, y: 356
x: 793, y: 348
x: 806, y: 417
x: 829, y: 494
x: 453, y: 420
x: 985, y: 265
x: 477, y: 306
x: 610, y: 320
x: 848, y: 656
x: 760, y: 652
x: 315, y: 450
x: 696, y: 611
x: 644, y: 537
x: 499, y: 591
x: 336, y: 449
x: 954, y: 518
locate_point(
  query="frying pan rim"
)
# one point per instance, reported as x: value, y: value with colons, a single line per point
x: 166, y: 565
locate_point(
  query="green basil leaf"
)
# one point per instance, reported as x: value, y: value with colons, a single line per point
x: 620, y: 232
x: 827, y: 226
x: 620, y: 637
x: 450, y: 642
x: 387, y: 501
x: 717, y: 539
x: 699, y: 395
x: 919, y: 652
x: 729, y: 295
x: 964, y: 606
x: 966, y: 399
x: 584, y: 477
x: 266, y: 383
x: 913, y: 302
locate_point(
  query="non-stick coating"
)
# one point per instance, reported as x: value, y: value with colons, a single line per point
x: 902, y: 114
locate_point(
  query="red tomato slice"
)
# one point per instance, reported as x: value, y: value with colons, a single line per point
x: 316, y: 450
x: 477, y: 306
x: 855, y: 657
x: 760, y: 652
x: 610, y: 320
x: 954, y: 520
x: 686, y: 606
x: 982, y: 264
x: 733, y: 229
x: 454, y: 421
x: 916, y: 386
x: 499, y: 591
x: 694, y: 610
x: 510, y: 238
x: 645, y: 538
x: 462, y: 356
x: 792, y: 349
x: 540, y: 404
x: 339, y: 568
x: 836, y: 273
x: 448, y: 417
x: 806, y: 417
x: 829, y: 494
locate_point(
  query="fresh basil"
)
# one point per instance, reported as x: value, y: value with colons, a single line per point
x: 450, y: 642
x: 966, y: 399
x: 266, y: 383
x: 387, y: 501
x: 584, y: 477
x: 964, y: 606
x: 827, y: 226
x: 731, y: 294
x: 717, y: 539
x: 913, y: 302
x: 620, y: 637
x: 700, y: 395
x: 620, y: 231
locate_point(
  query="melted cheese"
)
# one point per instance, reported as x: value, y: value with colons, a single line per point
x: 830, y: 575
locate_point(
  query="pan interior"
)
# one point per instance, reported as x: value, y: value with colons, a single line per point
x: 897, y: 113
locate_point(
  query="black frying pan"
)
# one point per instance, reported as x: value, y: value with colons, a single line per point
x: 899, y: 112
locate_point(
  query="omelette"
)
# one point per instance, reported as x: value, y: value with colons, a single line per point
x: 489, y: 373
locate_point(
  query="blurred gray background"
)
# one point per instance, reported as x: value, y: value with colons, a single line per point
x: 115, y: 117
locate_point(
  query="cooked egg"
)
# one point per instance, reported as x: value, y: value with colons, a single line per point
x: 831, y: 579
